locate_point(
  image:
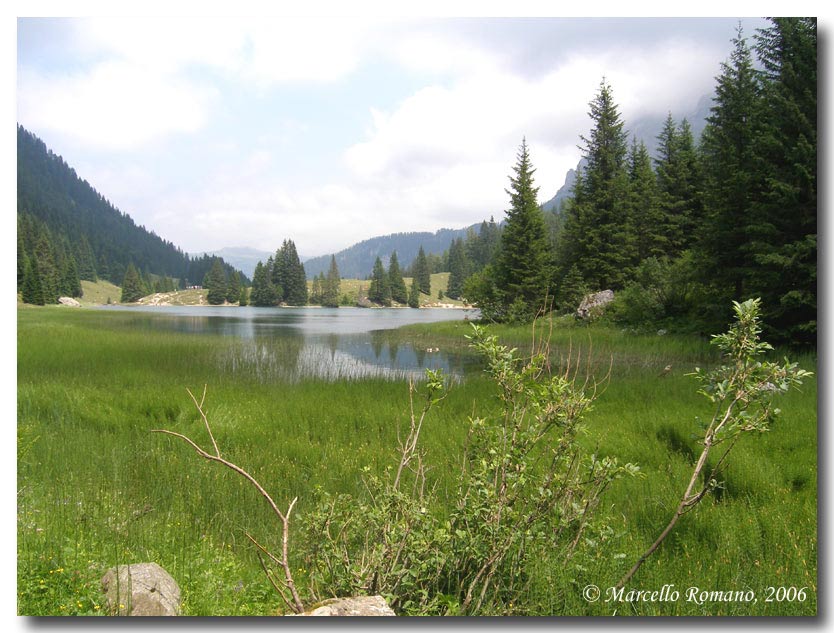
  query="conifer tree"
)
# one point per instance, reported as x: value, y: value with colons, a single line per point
x: 233, y: 287
x: 422, y: 273
x: 414, y: 294
x: 263, y: 293
x: 216, y: 283
x: 678, y: 181
x: 650, y: 230
x: 783, y: 232
x: 599, y: 235
x: 31, y: 290
x: 399, y: 292
x: 730, y: 162
x: 331, y: 285
x: 522, y: 268
x: 243, y: 297
x: 380, y: 290
x: 132, y: 289
x: 458, y: 269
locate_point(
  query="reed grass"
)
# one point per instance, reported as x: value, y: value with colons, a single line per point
x: 96, y: 488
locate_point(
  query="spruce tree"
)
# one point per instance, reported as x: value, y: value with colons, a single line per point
x: 421, y: 272
x: 783, y: 233
x: 458, y: 269
x: 414, y: 294
x: 523, y: 266
x: 677, y: 169
x: 263, y: 293
x: 233, y: 287
x: 399, y: 292
x: 243, y: 297
x: 380, y: 290
x: 31, y: 289
x: 331, y: 285
x: 599, y: 233
x: 730, y: 164
x: 216, y: 283
x: 132, y: 289
x: 650, y: 230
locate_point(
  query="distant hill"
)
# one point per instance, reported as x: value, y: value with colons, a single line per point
x: 357, y: 261
x: 241, y: 257
x: 49, y: 190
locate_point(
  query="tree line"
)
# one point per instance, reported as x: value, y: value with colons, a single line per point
x: 726, y: 217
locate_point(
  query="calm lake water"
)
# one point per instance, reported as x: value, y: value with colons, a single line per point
x: 330, y: 343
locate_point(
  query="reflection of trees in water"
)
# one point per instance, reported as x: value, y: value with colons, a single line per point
x: 378, y: 341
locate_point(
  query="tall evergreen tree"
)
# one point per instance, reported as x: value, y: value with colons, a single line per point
x: 331, y: 285
x: 679, y: 185
x: 414, y: 294
x: 522, y: 268
x: 380, y: 290
x: 598, y: 229
x: 31, y: 290
x: 263, y: 293
x: 216, y: 283
x: 132, y: 289
x: 421, y: 272
x: 651, y: 232
x: 730, y: 163
x: 458, y: 269
x: 399, y: 292
x: 288, y: 275
x: 784, y: 235
x: 233, y: 287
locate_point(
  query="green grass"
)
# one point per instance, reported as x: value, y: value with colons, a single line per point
x: 97, y: 488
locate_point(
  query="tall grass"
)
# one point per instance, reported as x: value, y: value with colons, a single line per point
x: 96, y: 488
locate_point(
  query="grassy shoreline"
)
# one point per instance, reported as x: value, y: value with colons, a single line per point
x: 96, y: 488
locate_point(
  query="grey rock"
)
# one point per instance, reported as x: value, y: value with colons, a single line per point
x: 69, y: 301
x: 593, y: 304
x: 363, y: 606
x: 140, y: 589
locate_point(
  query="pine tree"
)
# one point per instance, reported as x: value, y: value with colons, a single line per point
x: 414, y: 294
x: 288, y: 275
x: 233, y: 287
x: 399, y: 292
x: 783, y: 235
x: 572, y: 290
x: 679, y: 185
x: 458, y: 269
x: 331, y: 285
x: 598, y: 236
x: 243, y: 297
x: 380, y: 289
x: 132, y: 289
x: 651, y: 232
x: 263, y: 292
x: 422, y: 273
x: 523, y: 265
x: 70, y: 282
x: 730, y: 163
x: 31, y: 290
x: 216, y: 283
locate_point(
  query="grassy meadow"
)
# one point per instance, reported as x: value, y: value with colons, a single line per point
x: 96, y: 488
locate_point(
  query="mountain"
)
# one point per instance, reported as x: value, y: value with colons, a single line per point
x: 50, y: 191
x: 646, y: 129
x: 241, y: 257
x: 357, y: 261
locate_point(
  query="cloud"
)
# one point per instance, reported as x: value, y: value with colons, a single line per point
x: 115, y: 105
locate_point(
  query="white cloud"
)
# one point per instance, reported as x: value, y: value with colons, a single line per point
x: 116, y: 105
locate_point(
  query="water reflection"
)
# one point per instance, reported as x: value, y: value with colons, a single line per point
x: 285, y: 344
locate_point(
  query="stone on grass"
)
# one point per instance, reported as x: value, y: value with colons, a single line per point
x: 593, y: 304
x: 140, y: 589
x: 362, y: 606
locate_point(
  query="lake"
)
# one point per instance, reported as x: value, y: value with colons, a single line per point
x: 332, y: 343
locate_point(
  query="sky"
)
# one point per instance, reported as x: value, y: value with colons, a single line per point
x: 225, y: 132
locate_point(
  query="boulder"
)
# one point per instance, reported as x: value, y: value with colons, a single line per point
x: 140, y: 589
x: 362, y: 606
x: 593, y: 304
x: 69, y: 301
